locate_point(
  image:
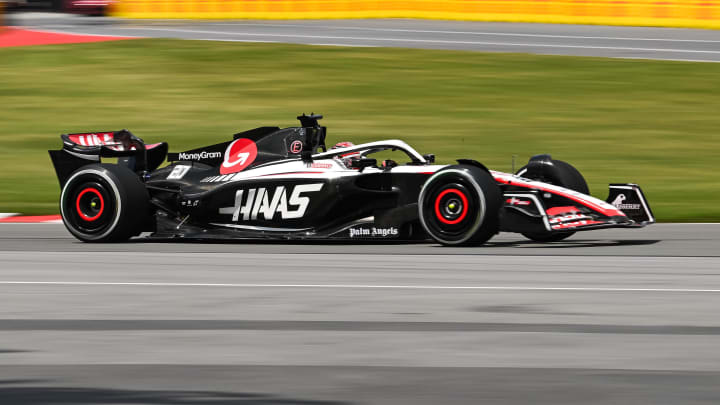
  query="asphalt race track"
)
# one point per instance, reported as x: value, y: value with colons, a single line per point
x: 551, y: 39
x: 608, y: 317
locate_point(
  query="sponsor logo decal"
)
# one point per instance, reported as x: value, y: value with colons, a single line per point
x: 238, y: 155
x: 94, y: 139
x: 199, y: 155
x: 373, y: 232
x: 178, y: 172
x: 618, y: 203
x: 562, y: 210
x: 257, y: 203
x: 296, y: 147
x: 190, y: 203
x: 515, y: 201
x: 321, y: 165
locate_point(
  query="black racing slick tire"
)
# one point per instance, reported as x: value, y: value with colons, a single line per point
x: 560, y: 174
x: 460, y: 206
x: 104, y: 203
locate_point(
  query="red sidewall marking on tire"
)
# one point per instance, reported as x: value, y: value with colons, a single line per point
x: 77, y: 204
x: 464, y: 202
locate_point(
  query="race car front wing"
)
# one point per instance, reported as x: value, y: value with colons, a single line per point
x: 535, y: 210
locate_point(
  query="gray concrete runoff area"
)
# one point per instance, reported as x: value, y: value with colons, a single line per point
x: 549, y: 39
x: 606, y: 317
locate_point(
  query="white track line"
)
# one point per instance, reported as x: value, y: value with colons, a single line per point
x: 487, y: 33
x: 371, y: 46
x: 662, y: 59
x: 416, y: 31
x: 362, y: 286
x: 433, y: 41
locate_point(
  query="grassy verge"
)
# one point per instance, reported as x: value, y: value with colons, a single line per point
x: 650, y: 122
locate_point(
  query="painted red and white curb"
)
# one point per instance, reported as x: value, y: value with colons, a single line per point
x: 9, y: 217
x: 16, y: 36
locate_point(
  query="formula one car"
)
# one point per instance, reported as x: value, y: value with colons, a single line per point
x: 272, y: 183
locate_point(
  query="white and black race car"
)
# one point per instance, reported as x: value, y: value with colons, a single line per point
x: 272, y: 183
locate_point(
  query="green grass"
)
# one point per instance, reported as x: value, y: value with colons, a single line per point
x: 651, y: 122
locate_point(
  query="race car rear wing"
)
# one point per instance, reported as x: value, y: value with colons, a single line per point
x: 80, y: 149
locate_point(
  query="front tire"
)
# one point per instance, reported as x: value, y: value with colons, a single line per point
x: 460, y: 206
x: 104, y: 203
x: 560, y: 174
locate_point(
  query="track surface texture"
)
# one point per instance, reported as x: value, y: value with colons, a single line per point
x: 607, y: 317
x: 551, y: 39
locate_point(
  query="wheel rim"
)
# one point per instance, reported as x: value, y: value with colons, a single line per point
x: 89, y: 204
x: 452, y: 207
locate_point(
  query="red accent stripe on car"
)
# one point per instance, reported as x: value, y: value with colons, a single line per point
x: 515, y: 181
x: 578, y: 224
x: 282, y: 174
x: 561, y: 210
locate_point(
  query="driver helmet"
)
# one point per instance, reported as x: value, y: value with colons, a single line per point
x: 347, y: 158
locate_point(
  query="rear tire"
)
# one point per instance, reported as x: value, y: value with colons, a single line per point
x: 560, y: 174
x: 460, y: 206
x: 104, y: 203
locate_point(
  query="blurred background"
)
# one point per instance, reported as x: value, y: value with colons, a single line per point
x: 634, y: 117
